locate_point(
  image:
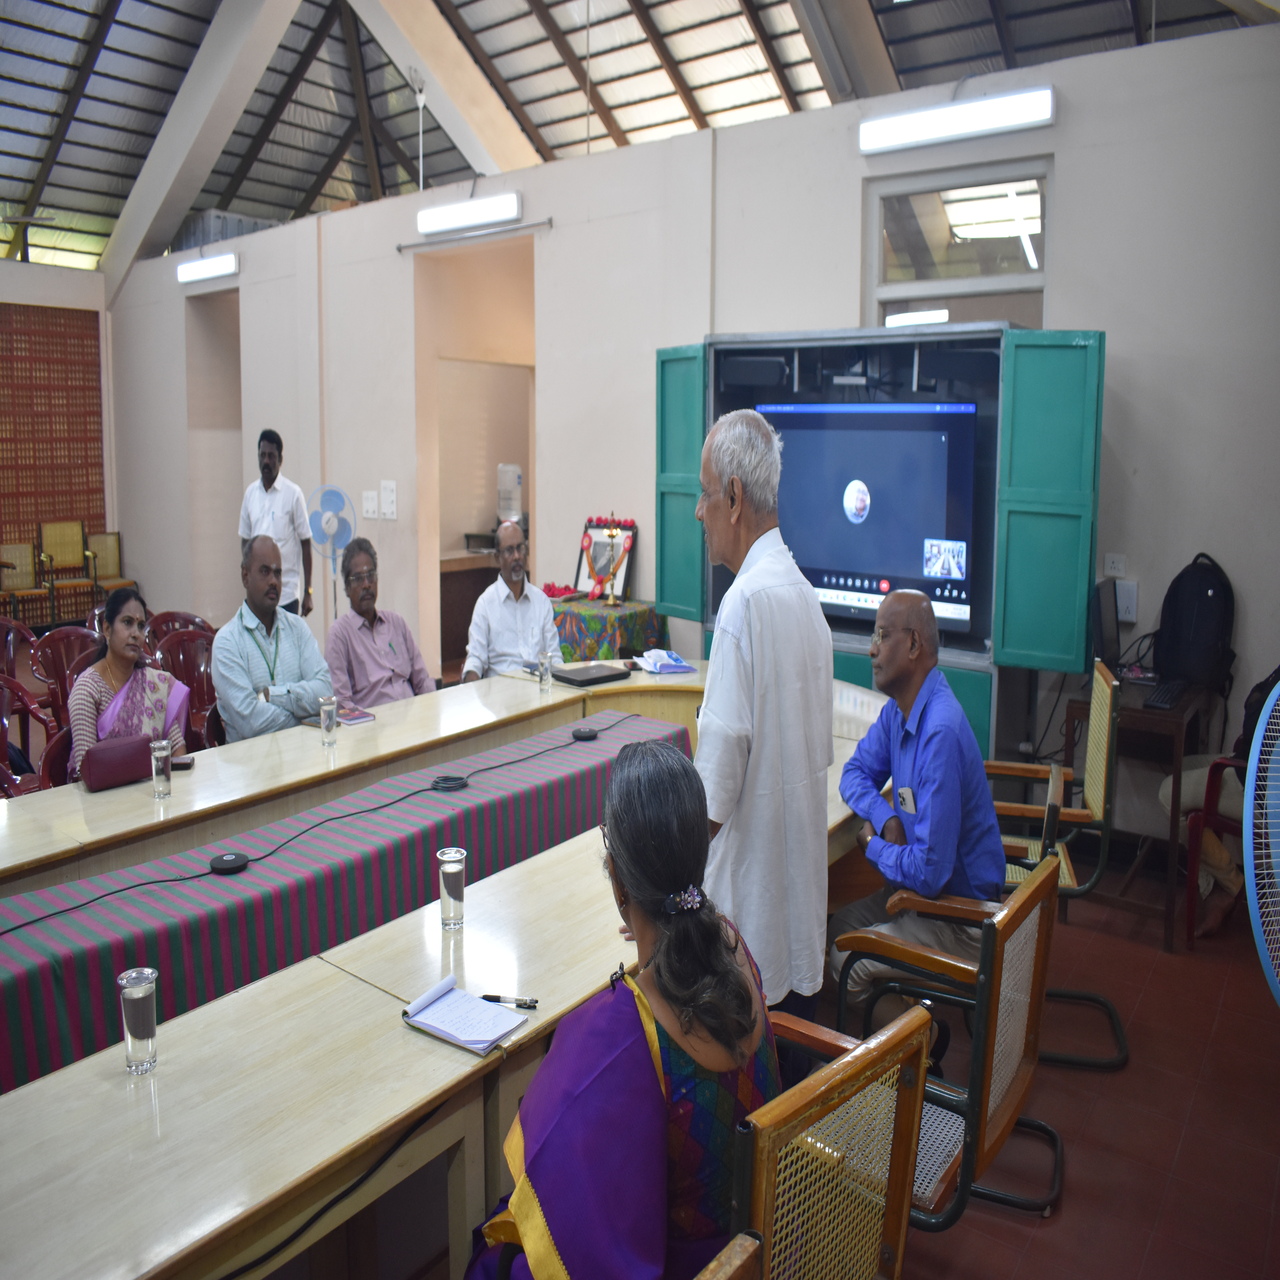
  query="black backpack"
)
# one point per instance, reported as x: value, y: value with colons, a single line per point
x: 1193, y: 642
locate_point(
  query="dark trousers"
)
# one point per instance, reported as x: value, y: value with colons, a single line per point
x: 292, y: 607
x: 794, y: 1064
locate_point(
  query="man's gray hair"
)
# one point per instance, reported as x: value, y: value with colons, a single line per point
x: 743, y: 444
x: 356, y: 547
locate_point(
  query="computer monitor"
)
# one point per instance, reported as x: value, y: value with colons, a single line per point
x: 1105, y: 624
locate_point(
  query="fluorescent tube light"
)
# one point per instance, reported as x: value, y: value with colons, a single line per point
x: 225, y: 264
x: 916, y: 317
x: 485, y: 212
x: 1027, y: 110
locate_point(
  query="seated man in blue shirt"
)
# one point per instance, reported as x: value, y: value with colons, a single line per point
x: 938, y: 835
x: 267, y: 668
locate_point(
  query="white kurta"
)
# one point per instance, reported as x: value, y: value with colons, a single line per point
x: 764, y: 748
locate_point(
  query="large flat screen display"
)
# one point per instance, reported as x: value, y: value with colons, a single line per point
x: 880, y: 496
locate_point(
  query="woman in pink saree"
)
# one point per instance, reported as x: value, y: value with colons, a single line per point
x: 118, y: 697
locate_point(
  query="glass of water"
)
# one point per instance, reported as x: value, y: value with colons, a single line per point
x: 161, y: 768
x: 544, y: 672
x: 453, y: 876
x: 328, y: 721
x: 138, y: 1007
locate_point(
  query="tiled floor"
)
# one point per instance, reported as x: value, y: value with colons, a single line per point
x: 1171, y: 1164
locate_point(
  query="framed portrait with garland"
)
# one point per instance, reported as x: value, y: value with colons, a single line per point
x: 605, y: 556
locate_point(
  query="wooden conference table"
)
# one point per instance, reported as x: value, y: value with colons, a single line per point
x: 68, y: 833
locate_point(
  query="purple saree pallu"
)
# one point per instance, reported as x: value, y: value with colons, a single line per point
x: 314, y: 880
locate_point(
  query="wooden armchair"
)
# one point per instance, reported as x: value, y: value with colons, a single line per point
x: 24, y: 581
x: 1197, y: 820
x: 823, y: 1172
x: 104, y: 555
x: 741, y: 1259
x: 963, y: 1128
x: 65, y: 557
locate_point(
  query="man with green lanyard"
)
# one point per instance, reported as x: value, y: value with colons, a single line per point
x: 267, y: 667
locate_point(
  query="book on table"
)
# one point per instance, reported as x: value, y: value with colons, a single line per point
x: 451, y: 1014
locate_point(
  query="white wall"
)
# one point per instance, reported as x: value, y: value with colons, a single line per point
x: 1164, y: 180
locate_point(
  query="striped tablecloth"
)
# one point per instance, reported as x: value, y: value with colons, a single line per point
x: 315, y: 880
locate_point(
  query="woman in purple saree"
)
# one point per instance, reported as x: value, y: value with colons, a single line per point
x: 621, y: 1151
x: 117, y: 697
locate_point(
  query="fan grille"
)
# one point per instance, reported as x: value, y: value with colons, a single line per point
x: 1264, y: 839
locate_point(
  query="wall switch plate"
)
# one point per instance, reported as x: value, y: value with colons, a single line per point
x: 1113, y: 565
x: 369, y: 504
x: 1126, y: 600
x: 388, y: 499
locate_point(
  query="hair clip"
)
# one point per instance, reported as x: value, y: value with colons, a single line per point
x: 690, y: 899
x: 615, y: 978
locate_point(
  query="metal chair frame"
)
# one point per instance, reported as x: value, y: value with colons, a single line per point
x: 59, y: 559
x: 976, y: 989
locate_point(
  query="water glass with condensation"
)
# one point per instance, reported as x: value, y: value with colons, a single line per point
x: 544, y: 672
x: 138, y: 1009
x: 453, y: 876
x: 161, y: 768
x: 328, y: 721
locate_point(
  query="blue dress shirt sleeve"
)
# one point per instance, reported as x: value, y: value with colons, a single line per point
x: 302, y: 696
x: 866, y: 772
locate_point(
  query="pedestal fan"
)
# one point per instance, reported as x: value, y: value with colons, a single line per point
x: 1262, y: 838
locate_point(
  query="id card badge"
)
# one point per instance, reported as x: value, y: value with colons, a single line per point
x: 906, y: 800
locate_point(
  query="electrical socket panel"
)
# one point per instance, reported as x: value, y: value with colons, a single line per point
x: 1113, y: 565
x: 1126, y: 600
x: 369, y: 504
x: 388, y: 499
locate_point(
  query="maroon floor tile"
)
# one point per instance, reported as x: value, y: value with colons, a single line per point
x: 958, y: 1254
x: 1167, y: 1047
x: 1011, y: 1227
x: 1153, y: 1088
x: 1253, y: 1122
x: 1136, y: 1132
x: 1246, y: 1074
x: 1272, y: 1269
x: 1199, y: 980
x: 1114, y: 961
x: 1080, y: 1245
x: 1216, y: 1224
x: 1173, y: 1009
x: 1063, y: 1098
x: 1248, y: 991
x: 1170, y: 1260
x: 1207, y: 1159
x: 1079, y: 1027
x: 1102, y: 1186
x: 1249, y: 1036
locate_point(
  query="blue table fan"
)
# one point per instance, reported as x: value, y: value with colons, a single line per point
x: 1262, y: 838
x: 333, y: 524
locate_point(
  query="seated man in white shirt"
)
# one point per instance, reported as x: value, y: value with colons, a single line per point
x: 267, y: 668
x: 512, y: 622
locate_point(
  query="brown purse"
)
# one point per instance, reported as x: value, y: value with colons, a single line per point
x: 113, y: 762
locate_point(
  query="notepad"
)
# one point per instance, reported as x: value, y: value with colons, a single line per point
x: 452, y: 1014
x: 662, y: 662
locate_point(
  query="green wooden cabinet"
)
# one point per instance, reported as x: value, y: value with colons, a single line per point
x: 1047, y: 498
x: 682, y: 398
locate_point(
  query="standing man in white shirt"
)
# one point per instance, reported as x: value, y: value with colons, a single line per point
x: 512, y: 622
x: 764, y: 731
x: 275, y: 507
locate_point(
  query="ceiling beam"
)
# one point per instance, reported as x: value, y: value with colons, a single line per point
x: 355, y: 61
x: 322, y: 178
x: 282, y: 100
x: 59, y: 135
x: 848, y: 48
x: 235, y: 52
x: 495, y: 77
x: 416, y: 36
x: 398, y: 153
x: 669, y: 64
x: 572, y: 61
x: 1007, y: 51
x: 765, y: 46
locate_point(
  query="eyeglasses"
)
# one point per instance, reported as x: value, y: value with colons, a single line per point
x: 369, y: 575
x: 878, y: 635
x: 518, y: 550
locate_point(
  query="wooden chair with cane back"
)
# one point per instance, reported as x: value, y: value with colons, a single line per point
x: 25, y: 581
x: 823, y: 1172
x: 964, y: 1126
x: 65, y: 557
x: 741, y: 1259
x: 104, y: 555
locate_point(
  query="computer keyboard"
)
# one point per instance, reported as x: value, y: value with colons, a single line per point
x: 1166, y: 695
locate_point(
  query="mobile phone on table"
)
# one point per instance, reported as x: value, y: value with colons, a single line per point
x: 182, y: 762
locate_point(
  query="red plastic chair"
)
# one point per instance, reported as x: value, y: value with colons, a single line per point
x: 188, y: 656
x: 52, y: 658
x: 1197, y: 820
x: 13, y: 635
x: 56, y: 760
x: 162, y: 624
x: 17, y: 699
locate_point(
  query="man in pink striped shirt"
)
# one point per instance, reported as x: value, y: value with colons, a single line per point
x: 372, y: 655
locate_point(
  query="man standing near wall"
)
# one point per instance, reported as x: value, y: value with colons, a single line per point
x: 764, y: 731
x: 276, y: 508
